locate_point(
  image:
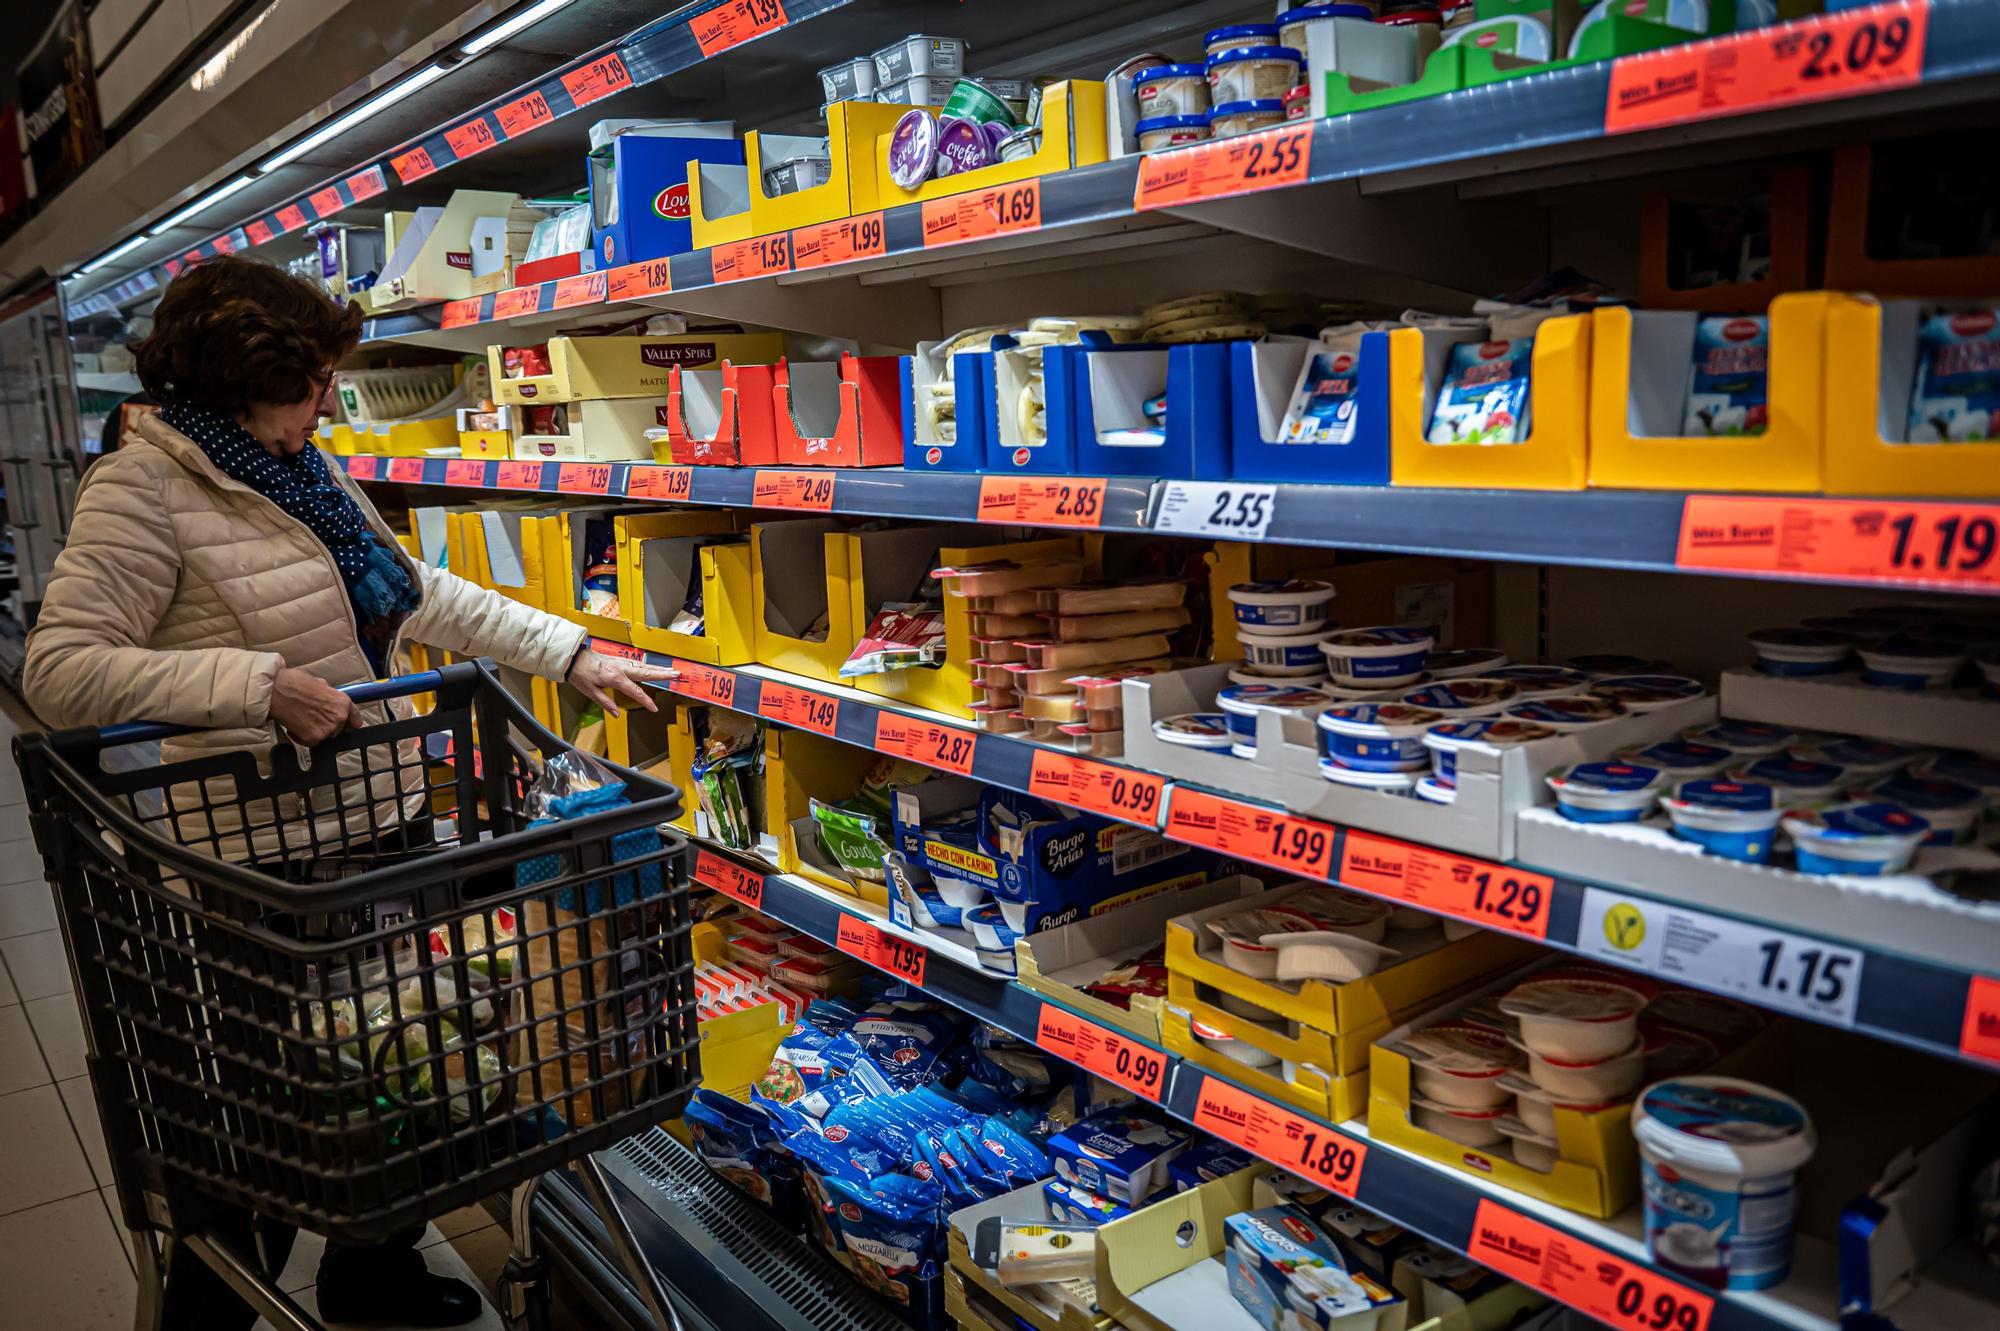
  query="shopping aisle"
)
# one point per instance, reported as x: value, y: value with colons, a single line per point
x: 63, y: 1258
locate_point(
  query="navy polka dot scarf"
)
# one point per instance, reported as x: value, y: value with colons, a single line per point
x: 378, y: 585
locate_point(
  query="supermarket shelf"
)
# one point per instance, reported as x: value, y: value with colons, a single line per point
x: 1627, y: 529
x: 1933, y: 994
x: 121, y: 382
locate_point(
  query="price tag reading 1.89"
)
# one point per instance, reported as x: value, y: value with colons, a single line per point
x: 1121, y: 1059
x: 1311, y: 1150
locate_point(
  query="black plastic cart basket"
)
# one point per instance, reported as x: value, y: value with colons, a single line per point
x: 353, y: 988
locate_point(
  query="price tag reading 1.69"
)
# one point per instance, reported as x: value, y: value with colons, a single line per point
x: 1311, y: 1150
x: 996, y: 211
x: 1115, y: 792
x: 1129, y: 1062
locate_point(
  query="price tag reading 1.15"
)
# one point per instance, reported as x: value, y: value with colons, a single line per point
x: 1224, y: 509
x: 1115, y: 792
x: 1623, y: 1294
x: 925, y: 742
x: 1282, y: 840
x: 882, y: 949
x: 1908, y: 543
x: 729, y: 878
x: 1129, y: 1062
x: 1311, y: 1150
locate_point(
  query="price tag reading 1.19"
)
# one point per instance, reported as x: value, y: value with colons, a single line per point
x: 1311, y: 1150
x: 882, y: 949
x: 1115, y: 792
x: 1282, y: 840
x: 1225, y: 509
x: 1908, y: 543
x: 1122, y: 1059
x: 729, y: 878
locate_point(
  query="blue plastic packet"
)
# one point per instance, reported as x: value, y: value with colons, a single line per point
x: 1957, y: 395
x: 1729, y: 379
x: 1484, y: 399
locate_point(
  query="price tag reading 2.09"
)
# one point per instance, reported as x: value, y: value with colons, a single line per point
x: 1115, y: 792
x: 1311, y: 1150
x: 1248, y: 831
x: 1131, y: 1063
x: 882, y: 949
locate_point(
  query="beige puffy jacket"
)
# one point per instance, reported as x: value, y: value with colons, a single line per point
x: 181, y: 593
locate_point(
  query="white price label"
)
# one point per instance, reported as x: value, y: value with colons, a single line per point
x: 1228, y: 509
x: 1768, y: 967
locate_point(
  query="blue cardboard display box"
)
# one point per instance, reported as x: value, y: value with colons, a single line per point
x: 639, y: 191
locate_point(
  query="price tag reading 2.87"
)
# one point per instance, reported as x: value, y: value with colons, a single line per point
x: 926, y: 742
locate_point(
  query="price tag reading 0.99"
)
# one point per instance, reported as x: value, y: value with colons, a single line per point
x: 1619, y: 1293
x: 1097, y: 787
x: 1129, y: 1062
x: 1284, y: 841
x: 1311, y: 1150
x: 1910, y: 543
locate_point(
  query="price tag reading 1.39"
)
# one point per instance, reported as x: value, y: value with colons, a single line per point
x: 1129, y: 1062
x: 1311, y: 1150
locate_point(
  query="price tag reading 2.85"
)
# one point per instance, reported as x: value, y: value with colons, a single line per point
x: 882, y: 949
x: 925, y: 742
x: 1115, y: 792
x: 1131, y: 1063
x: 1282, y: 840
x: 729, y: 878
x: 1311, y: 1150
x: 1038, y: 502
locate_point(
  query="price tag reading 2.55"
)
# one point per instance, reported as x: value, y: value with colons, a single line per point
x: 1623, y: 1294
x: 1311, y: 1150
x: 882, y: 949
x: 729, y: 878
x: 1282, y: 840
x: 1131, y: 1063
x: 1115, y: 792
x: 925, y: 742
x: 1238, y: 165
x: 1492, y: 895
x: 1954, y: 547
x: 798, y: 707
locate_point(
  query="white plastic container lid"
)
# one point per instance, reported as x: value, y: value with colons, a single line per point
x: 1394, y: 783
x: 1194, y: 730
x: 1289, y: 591
x: 1721, y: 1125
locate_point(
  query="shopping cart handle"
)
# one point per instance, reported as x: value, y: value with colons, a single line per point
x: 372, y: 690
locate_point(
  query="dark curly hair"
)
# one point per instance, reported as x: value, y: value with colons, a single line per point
x: 232, y: 333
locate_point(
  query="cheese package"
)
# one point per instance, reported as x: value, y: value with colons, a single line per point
x: 1484, y: 399
x: 1073, y: 1204
x: 1288, y: 1272
x: 1120, y: 1154
x: 1728, y: 381
x: 1957, y: 395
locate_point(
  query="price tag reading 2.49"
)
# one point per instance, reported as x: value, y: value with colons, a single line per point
x: 1488, y: 894
x: 1311, y: 1150
x: 925, y: 742
x: 1133, y: 1064
x: 1115, y: 792
x: 792, y: 489
x: 1282, y: 840
x: 882, y: 949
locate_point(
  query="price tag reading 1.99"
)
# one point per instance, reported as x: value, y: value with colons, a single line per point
x: 1122, y: 1059
x: 1285, y: 841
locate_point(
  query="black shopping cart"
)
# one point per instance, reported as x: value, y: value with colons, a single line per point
x: 353, y: 988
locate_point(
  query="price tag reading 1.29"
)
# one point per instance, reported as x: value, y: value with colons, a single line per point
x: 1122, y: 1059
x: 1311, y: 1150
x: 1248, y: 831
x: 729, y: 878
x: 1908, y: 543
x: 882, y: 949
x: 1493, y: 895
x: 1227, y: 510
x: 1115, y: 792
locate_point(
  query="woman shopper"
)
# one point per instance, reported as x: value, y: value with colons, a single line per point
x: 219, y: 574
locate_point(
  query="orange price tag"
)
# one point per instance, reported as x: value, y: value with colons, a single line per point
x: 1268, y: 159
x: 925, y: 742
x: 524, y: 114
x: 258, y: 232
x: 1053, y: 502
x: 1129, y: 1062
x: 1846, y: 54
x: 326, y: 202
x: 884, y: 951
x: 583, y: 478
x: 406, y: 471
x: 639, y: 279
x: 1615, y: 1291
x: 755, y: 257
x: 291, y: 217
x: 792, y: 489
x: 706, y: 683
x: 362, y: 466
x: 600, y: 78
x: 459, y: 313
x: 191, y: 258
x: 798, y: 707
x: 1908, y: 543
x: 470, y: 139
x: 224, y: 244
x: 1979, y: 1036
x: 665, y: 483
x: 517, y: 301
x: 734, y: 22
x: 844, y: 241
x: 365, y: 184
x: 412, y: 165
x: 465, y: 471
x: 623, y: 650
x: 520, y: 476
x: 1248, y: 831
x: 583, y: 289
x: 729, y: 878
x: 1489, y: 894
x: 1115, y: 792
x: 1311, y: 1150
x: 995, y: 211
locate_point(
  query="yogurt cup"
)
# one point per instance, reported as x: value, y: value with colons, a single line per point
x: 1865, y: 838
x: 1385, y: 783
x: 1905, y: 663
x: 1798, y: 782
x: 1802, y: 651
x: 1466, y: 698
x: 1682, y: 759
x: 1172, y: 90
x: 1288, y: 605
x: 1171, y: 132
x: 1746, y: 739
x: 1952, y: 809
x: 1604, y: 1079
x: 1464, y: 661
x: 1252, y: 939
x: 1252, y: 675
x: 1279, y: 653
x: 1542, y: 681
x: 1610, y: 792
x: 1377, y: 658
x: 1566, y: 712
x: 1467, y: 1127
x: 1536, y: 1107
x: 1861, y: 628
x: 1864, y: 759
x: 1531, y: 1151
x: 1647, y: 693
x: 1718, y: 1166
x: 1233, y: 118
x: 1242, y: 702
x: 1253, y: 74
x: 1195, y: 730
x: 1226, y: 1044
x: 1737, y: 820
x: 1217, y: 40
x: 1375, y: 737
x: 1605, y: 665
x: 1445, y: 741
x: 1460, y: 1064
x: 1575, y: 1017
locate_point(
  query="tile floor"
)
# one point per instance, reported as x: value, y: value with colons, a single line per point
x: 64, y: 1261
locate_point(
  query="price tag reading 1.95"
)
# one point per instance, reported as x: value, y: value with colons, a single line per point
x: 729, y: 878
x: 1129, y: 1062
x: 1623, y: 1294
x: 1909, y: 543
x: 1311, y: 1150
x: 925, y: 742
x: 1282, y: 840
x: 1080, y: 783
x: 882, y: 949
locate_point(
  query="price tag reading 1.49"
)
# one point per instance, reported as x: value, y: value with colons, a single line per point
x: 1128, y: 1062
x: 1623, y: 1294
x: 798, y: 707
x: 1282, y: 840
x: 1908, y: 543
x: 1311, y: 1150
x: 882, y: 949
x: 1115, y: 792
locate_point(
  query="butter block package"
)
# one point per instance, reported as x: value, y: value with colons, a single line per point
x: 1288, y: 1272
x: 1484, y: 399
x: 1728, y: 381
x: 1957, y: 396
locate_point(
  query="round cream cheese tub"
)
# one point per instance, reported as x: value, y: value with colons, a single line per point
x: 1530, y: 1151
x: 1250, y: 938
x: 1330, y: 955
x: 1542, y: 681
x: 1172, y: 90
x: 1171, y: 132
x: 1463, y: 662
x: 1901, y: 663
x: 1467, y: 1127
x: 1208, y: 731
x: 1862, y: 759
x: 1282, y: 605
x: 1252, y: 675
x: 1565, y: 713
x: 1460, y: 1064
x: 1952, y: 809
x: 1232, y: 118
x: 1382, y: 783
x: 1464, y: 699
x: 1297, y: 653
x: 1786, y: 652
x: 1578, y: 1018
x: 1375, y: 737
x: 1225, y: 1043
x: 1603, y: 1079
x: 1217, y: 40
x: 1446, y: 741
x: 1536, y: 1108
x: 1647, y: 693
x: 1382, y: 657
x: 1746, y: 739
x: 1604, y: 665
x: 1724, y: 1021
x: 1253, y: 74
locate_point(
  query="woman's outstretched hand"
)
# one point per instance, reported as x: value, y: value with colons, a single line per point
x: 599, y: 677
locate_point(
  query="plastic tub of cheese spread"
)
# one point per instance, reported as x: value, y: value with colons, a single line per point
x: 1251, y: 938
x: 1460, y: 1063
x: 1802, y: 651
x: 1466, y: 698
x: 1531, y: 1150
x: 1869, y: 839
x: 1467, y: 1127
x: 1575, y: 1017
x: 1737, y: 820
x: 1718, y: 1166
x: 1217, y: 40
x: 1228, y: 1045
x: 1378, y: 658
x: 1233, y: 118
x: 1799, y: 783
x: 1375, y: 737
x: 1383, y: 783
x: 1600, y: 1079
x: 1904, y: 663
x: 1682, y: 759
x: 1020, y: 145
x: 1172, y: 90
x: 1195, y: 730
x: 1862, y: 759
x: 1647, y: 693
x: 962, y: 146
x: 1566, y: 712
x: 1542, y: 681
x: 1277, y: 652
x: 1464, y: 661
x: 1433, y: 791
x: 1445, y: 741
x: 1951, y: 808
x: 1968, y: 769
x: 1613, y: 792
x: 992, y: 937
x: 913, y: 146
x: 1289, y: 605
x: 848, y: 80
x: 1254, y: 74
x: 1746, y: 739
x: 1242, y: 702
x: 1244, y: 674
x: 1536, y: 1107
